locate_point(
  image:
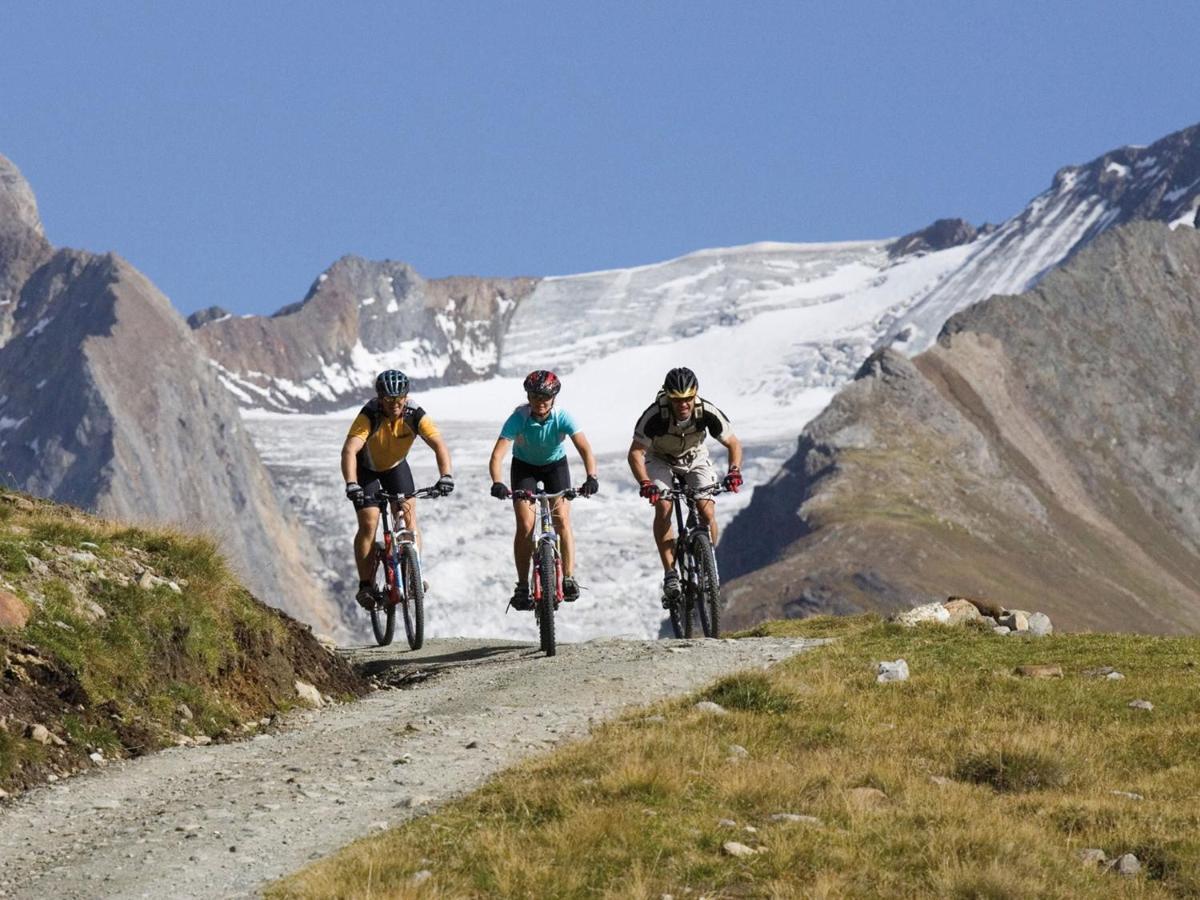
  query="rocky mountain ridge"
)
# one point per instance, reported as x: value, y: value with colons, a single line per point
x: 360, y: 317
x: 1043, y: 454
x: 108, y: 402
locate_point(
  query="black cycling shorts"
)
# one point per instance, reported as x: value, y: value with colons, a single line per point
x: 556, y: 476
x: 396, y: 480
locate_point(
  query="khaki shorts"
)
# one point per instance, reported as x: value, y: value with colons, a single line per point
x: 698, y: 471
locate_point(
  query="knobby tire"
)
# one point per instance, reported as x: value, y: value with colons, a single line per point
x: 545, y: 605
x: 414, y: 597
x: 383, y: 619
x: 708, y: 583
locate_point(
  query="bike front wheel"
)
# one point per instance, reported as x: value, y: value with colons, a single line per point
x: 413, y: 602
x: 386, y: 583
x: 708, y: 584
x: 544, y: 607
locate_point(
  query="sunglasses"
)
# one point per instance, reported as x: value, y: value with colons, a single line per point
x: 398, y: 401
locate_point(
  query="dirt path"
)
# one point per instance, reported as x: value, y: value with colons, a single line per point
x: 218, y: 821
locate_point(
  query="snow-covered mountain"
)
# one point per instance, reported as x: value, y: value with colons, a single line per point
x: 773, y: 330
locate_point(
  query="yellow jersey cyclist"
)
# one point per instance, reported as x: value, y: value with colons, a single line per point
x: 668, y: 441
x: 374, y: 458
x: 536, y: 431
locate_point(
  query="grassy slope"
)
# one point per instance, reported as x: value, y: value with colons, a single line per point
x: 1031, y: 767
x: 108, y: 664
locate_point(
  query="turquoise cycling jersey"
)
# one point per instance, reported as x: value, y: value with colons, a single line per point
x: 538, y: 443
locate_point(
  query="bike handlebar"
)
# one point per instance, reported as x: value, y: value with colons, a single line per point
x: 569, y: 494
x: 694, y: 493
x: 424, y: 492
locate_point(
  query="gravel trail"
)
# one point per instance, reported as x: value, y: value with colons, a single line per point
x: 219, y: 821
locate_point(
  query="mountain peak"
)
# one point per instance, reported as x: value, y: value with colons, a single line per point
x: 17, y: 202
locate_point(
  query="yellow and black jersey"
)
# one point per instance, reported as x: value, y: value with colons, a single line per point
x: 388, y: 440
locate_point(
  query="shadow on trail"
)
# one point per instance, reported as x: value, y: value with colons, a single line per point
x: 384, y: 665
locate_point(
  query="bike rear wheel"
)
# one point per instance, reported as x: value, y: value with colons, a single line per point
x: 708, y: 584
x: 386, y: 582
x: 413, y: 602
x: 544, y: 607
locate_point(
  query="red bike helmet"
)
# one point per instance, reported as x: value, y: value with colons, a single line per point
x: 542, y: 382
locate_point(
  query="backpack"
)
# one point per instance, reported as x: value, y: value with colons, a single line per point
x: 664, y: 408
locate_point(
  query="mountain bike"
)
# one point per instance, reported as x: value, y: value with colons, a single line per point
x: 396, y: 574
x: 547, y: 582
x: 699, y: 580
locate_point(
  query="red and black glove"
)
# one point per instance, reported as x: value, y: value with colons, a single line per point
x: 733, y: 480
x: 650, y: 491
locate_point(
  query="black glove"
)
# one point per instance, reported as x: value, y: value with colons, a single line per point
x: 445, y: 485
x: 733, y: 480
x: 355, y: 494
x: 500, y: 491
x: 590, y: 486
x: 650, y: 491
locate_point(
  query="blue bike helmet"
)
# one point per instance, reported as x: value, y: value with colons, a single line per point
x: 392, y: 383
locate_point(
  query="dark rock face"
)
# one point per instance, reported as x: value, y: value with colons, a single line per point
x: 941, y: 235
x: 361, y: 317
x: 108, y: 402
x: 1043, y: 454
x: 206, y: 315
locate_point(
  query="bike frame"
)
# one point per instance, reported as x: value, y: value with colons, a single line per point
x: 397, y: 537
x: 543, y: 533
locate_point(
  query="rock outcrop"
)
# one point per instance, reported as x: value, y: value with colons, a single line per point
x: 23, y: 245
x: 1043, y: 453
x: 108, y: 402
x: 360, y: 317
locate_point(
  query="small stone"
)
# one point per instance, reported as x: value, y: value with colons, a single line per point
x: 1016, y: 620
x: 793, y: 819
x: 740, y: 851
x: 3, y: 795
x: 1040, y: 625
x: 1001, y: 630
x: 886, y: 672
x: 986, y: 607
x: 1126, y: 864
x: 1099, y: 671
x: 96, y: 757
x: 737, y: 751
x: 749, y: 829
x: 1039, y: 671
x: 309, y: 695
x: 961, y: 611
x: 471, y: 745
x: 415, y: 802
x: 1114, y: 676
x: 147, y: 581
x: 1128, y: 795
x: 1092, y: 857
x: 419, y: 878
x: 940, y: 780
x: 709, y: 708
x: 934, y: 613
x: 174, y: 587
x: 184, y: 711
x: 88, y: 545
x: 202, y: 740
x: 1141, y: 704
x: 726, y: 823
x: 44, y: 735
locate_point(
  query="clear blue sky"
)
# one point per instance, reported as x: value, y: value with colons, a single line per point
x: 232, y: 151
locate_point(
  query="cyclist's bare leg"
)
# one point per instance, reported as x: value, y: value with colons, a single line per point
x: 526, y: 514
x: 664, y: 535
x: 409, y: 507
x: 364, y: 540
x: 706, y: 511
x: 561, y: 510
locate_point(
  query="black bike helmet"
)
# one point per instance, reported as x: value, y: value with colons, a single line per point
x: 681, y: 383
x: 392, y: 383
x: 543, y: 383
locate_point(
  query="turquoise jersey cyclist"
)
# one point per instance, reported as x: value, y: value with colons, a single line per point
x: 536, y: 431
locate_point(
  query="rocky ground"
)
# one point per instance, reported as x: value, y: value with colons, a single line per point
x: 220, y: 820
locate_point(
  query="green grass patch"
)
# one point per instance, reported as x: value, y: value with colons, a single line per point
x: 991, y: 783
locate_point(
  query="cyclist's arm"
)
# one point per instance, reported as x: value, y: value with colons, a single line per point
x: 350, y: 457
x: 440, y: 451
x: 734, y: 446
x: 585, y: 453
x: 637, y: 462
x: 498, y: 454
